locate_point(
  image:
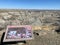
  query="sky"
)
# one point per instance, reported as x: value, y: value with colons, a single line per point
x: 30, y: 4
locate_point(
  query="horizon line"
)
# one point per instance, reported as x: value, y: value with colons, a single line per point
x: 28, y: 9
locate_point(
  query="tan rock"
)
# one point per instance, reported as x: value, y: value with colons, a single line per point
x: 20, y: 43
x: 7, y: 16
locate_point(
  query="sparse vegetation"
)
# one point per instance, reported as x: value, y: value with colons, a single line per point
x: 34, y: 18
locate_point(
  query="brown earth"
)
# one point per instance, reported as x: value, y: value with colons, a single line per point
x: 42, y: 18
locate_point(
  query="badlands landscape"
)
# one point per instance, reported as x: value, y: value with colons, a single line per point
x: 48, y: 22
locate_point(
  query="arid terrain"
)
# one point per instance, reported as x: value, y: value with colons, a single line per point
x: 50, y: 19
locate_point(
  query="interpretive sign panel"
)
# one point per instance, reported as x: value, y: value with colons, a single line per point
x: 18, y: 33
